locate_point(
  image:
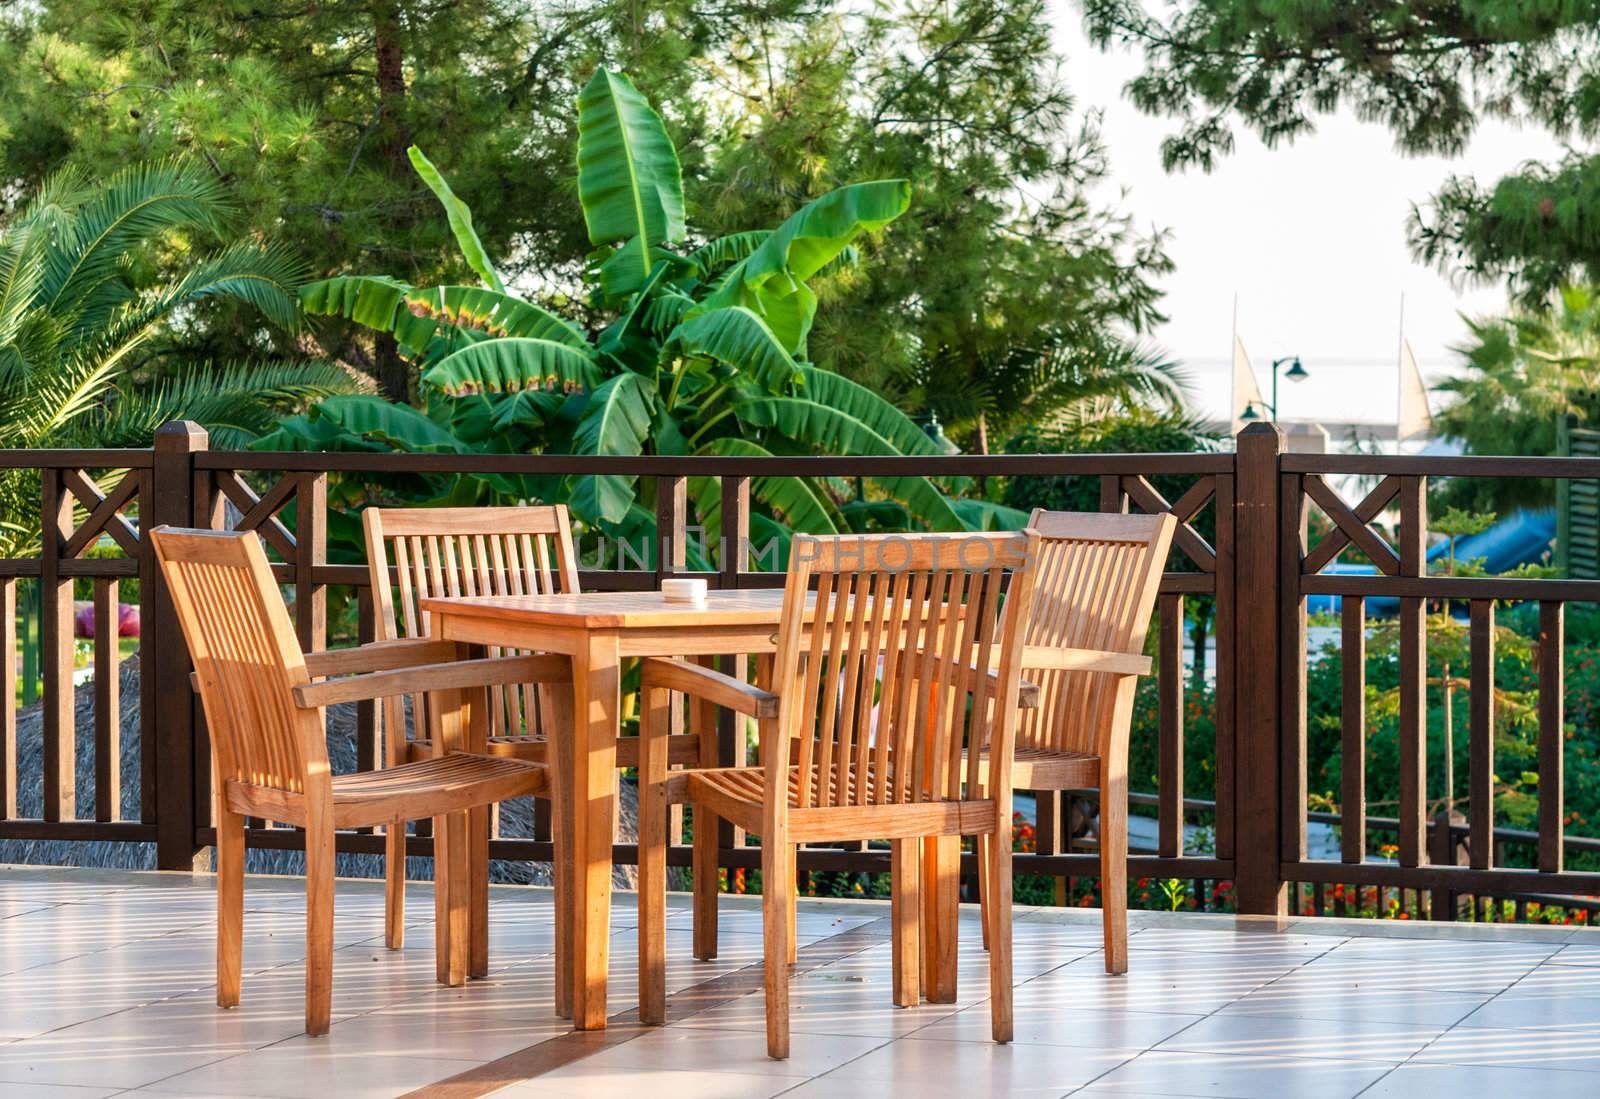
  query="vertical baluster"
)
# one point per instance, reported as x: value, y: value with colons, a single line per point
x: 311, y: 552
x: 1224, y: 640
x: 1353, y: 792
x: 1552, y: 737
x: 1294, y: 515
x: 107, y: 703
x: 1482, y: 734
x: 56, y: 644
x: 1413, y: 675
x: 1170, y: 734
x: 8, y: 697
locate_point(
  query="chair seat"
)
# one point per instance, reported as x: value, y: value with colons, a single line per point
x: 410, y: 791
x: 1049, y: 769
x: 683, y: 750
x: 739, y: 793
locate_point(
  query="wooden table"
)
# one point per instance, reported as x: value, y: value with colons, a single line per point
x: 597, y: 630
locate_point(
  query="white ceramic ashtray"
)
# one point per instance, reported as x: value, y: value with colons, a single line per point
x: 683, y: 591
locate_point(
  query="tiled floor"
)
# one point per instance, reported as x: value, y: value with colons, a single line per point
x: 106, y: 989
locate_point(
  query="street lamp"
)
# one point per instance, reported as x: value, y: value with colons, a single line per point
x: 1296, y: 373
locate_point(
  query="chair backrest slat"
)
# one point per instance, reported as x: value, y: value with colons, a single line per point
x: 888, y: 693
x: 1097, y: 579
x: 246, y: 657
x: 418, y: 553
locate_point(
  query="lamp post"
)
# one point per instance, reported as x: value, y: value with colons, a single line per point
x: 1296, y: 373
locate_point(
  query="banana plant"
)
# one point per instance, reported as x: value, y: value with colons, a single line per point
x: 703, y: 352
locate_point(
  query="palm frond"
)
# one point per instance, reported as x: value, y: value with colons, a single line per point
x: 236, y: 403
x: 138, y: 203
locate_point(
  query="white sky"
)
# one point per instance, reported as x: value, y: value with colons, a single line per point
x: 1310, y: 236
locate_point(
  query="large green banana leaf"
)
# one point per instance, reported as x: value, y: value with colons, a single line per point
x: 771, y: 280
x: 459, y: 215
x: 372, y: 301
x: 513, y: 364
x: 837, y: 391
x: 715, y: 255
x: 815, y: 424
x: 742, y: 340
x: 494, y: 313
x: 792, y: 498
x: 616, y: 421
x: 629, y: 338
x: 398, y: 425
x: 629, y: 181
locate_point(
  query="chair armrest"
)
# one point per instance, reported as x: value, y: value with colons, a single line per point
x: 1051, y: 658
x: 713, y: 686
x: 381, y: 656
x: 493, y: 672
x: 376, y: 656
x: 1027, y: 693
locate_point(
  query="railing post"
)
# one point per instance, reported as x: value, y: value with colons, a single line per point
x: 672, y: 530
x: 170, y: 727
x: 1257, y: 621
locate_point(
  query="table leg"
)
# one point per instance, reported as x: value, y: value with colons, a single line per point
x: 707, y: 826
x: 595, y: 685
x: 941, y: 896
x: 450, y: 885
x: 556, y: 707
x: 477, y: 847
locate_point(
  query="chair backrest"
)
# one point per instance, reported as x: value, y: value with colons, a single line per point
x: 433, y: 552
x: 892, y: 684
x: 1094, y: 588
x: 246, y: 657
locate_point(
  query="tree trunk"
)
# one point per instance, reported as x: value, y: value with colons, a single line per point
x: 391, y: 80
x: 390, y: 370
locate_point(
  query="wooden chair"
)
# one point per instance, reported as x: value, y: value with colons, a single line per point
x: 1094, y: 589
x: 420, y: 553
x: 852, y: 752
x: 270, y: 758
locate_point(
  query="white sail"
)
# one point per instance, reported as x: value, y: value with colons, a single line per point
x: 1416, y: 419
x: 1245, y: 390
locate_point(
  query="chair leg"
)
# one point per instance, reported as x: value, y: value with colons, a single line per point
x: 450, y: 888
x: 985, y: 847
x: 703, y: 722
x: 705, y: 882
x: 1114, y: 872
x: 319, y: 928
x: 230, y: 905
x: 905, y: 917
x: 793, y: 880
x: 653, y: 729
x: 478, y: 894
x: 394, y: 884
x: 777, y: 898
x: 1000, y: 941
x: 941, y: 897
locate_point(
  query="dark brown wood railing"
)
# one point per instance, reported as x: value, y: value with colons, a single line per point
x: 1258, y: 568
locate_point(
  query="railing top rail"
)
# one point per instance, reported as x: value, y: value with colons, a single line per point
x: 76, y: 459
x: 1441, y: 465
x: 962, y: 465
x: 1461, y: 588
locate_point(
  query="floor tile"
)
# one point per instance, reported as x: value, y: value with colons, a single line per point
x: 1242, y: 1077
x: 1416, y: 1081
x: 1553, y: 1049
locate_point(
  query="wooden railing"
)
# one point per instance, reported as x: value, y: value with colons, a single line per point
x: 1256, y: 567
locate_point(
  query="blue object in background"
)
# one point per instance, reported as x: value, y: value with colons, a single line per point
x: 1523, y: 538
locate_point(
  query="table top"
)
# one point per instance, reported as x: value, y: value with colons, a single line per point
x: 622, y: 610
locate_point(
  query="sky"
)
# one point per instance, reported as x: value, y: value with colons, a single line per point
x: 1309, y: 236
